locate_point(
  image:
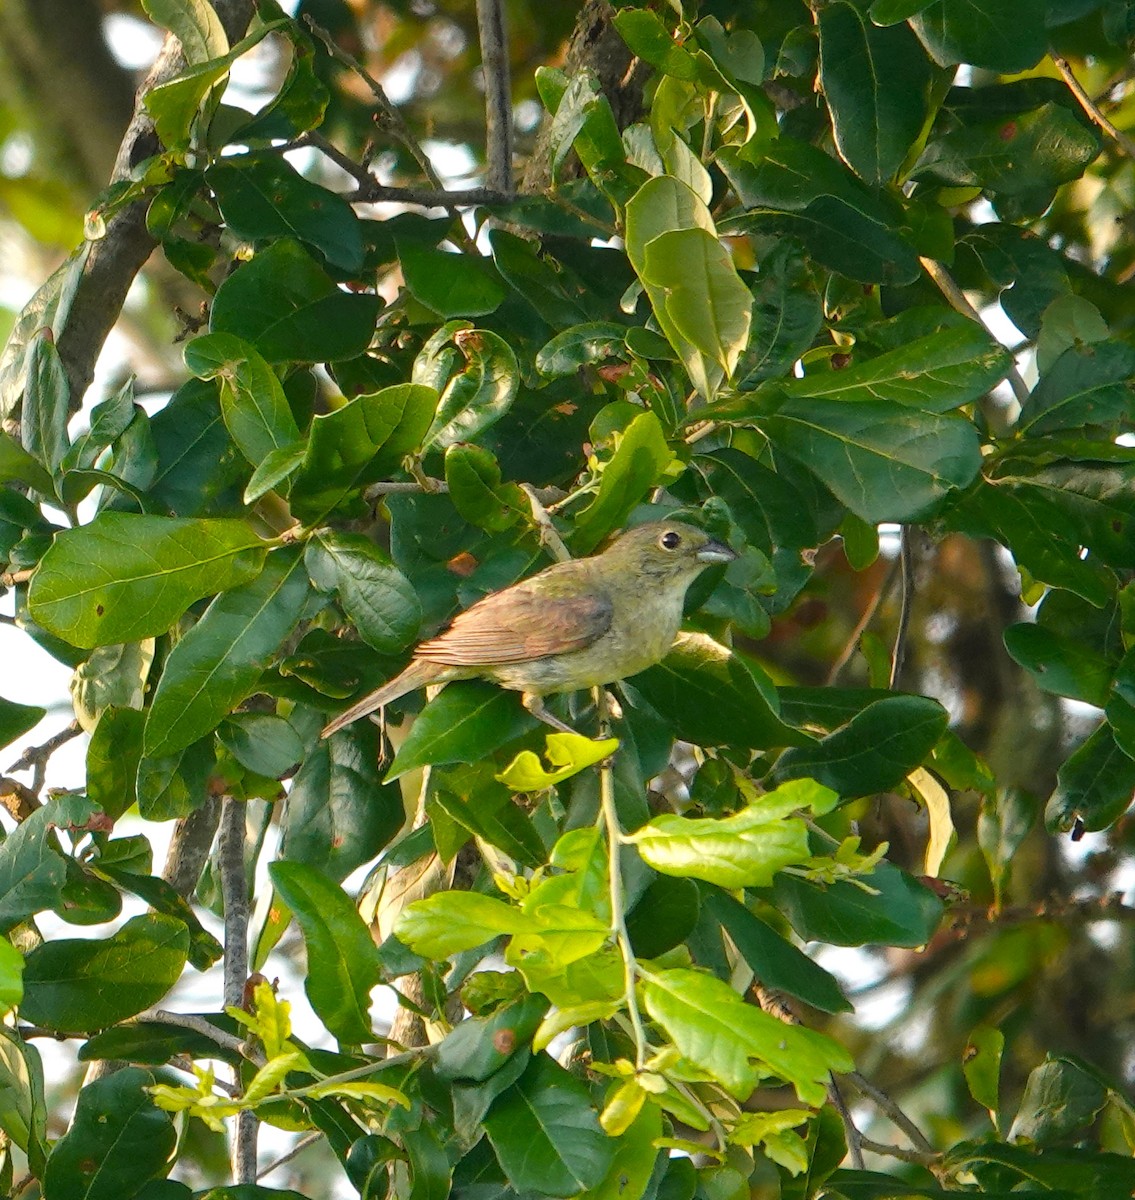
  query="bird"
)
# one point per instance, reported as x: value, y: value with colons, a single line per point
x: 577, y: 624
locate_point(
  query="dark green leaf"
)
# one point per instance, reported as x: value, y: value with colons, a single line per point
x: 175, y: 785
x: 1060, y: 1099
x: 797, y: 191
x: 373, y: 593
x: 263, y: 197
x: 32, y: 871
x: 117, y: 1140
x: 545, y: 1132
x: 218, y: 662
x: 876, y: 83
x: 288, y: 307
x: 464, y: 724
x: 984, y: 33
x: 339, y: 814
x: 43, y: 414
x: 81, y: 985
x: 253, y: 404
x: 358, y: 444
x: 898, y: 911
x: 18, y: 466
x: 476, y: 490
x: 1085, y: 386
x: 714, y: 697
x: 775, y: 961
x: 162, y: 897
x: 342, y: 963
x: 125, y: 577
x: 1060, y: 663
x: 479, y: 1046
x: 874, y: 751
x: 885, y: 461
x: 480, y: 394
x: 17, y: 719
x: 579, y: 346
x: 1095, y: 784
x: 452, y: 285
x: 663, y: 916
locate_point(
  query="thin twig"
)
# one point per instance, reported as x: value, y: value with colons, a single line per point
x: 957, y: 298
x: 498, y: 94
x: 430, y: 486
x: 549, y: 534
x: 906, y: 561
x: 162, y: 1016
x: 297, y: 1149
x: 610, y: 817
x: 922, y: 1158
x: 881, y: 593
x: 850, y: 1130
x: 234, y: 889
x: 896, y: 1115
x: 36, y: 756
x: 1092, y: 109
x: 391, y: 119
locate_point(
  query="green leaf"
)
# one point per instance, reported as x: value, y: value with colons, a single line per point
x: 204, y: 949
x: 743, y: 850
x: 478, y: 395
x: 175, y: 785
x: 787, y: 315
x: 446, y: 923
x: 109, y: 421
x: 981, y: 1064
x: 1120, y: 705
x: 472, y: 800
x: 885, y: 461
x: 717, y: 1031
x: 567, y: 755
x: 479, y: 1046
x: 545, y: 1132
x: 537, y: 280
x: 1061, y: 1097
x: 1060, y: 663
x: 253, y: 404
x: 664, y: 206
x: 1012, y: 156
x: 641, y: 458
x: 580, y: 346
x: 932, y: 374
x: 339, y: 814
x: 876, y: 83
x: 289, y: 308
x: 32, y: 871
x: 898, y: 911
x: 194, y: 23
x: 44, y: 412
x: 262, y: 197
x: 118, y: 1139
x: 1087, y: 385
x: 374, y: 594
x: 705, y: 299
x: 23, y: 1112
x: 467, y: 722
x: 360, y: 443
x: 1094, y: 785
x: 218, y: 662
x: 81, y: 985
x: 774, y: 960
x: 17, y: 719
x: 874, y: 751
x: 174, y: 105
x: 452, y: 285
x: 262, y: 743
x: 342, y: 963
x: 651, y: 41
x: 275, y: 467
x: 796, y: 190
x: 712, y: 696
x: 125, y: 577
x: 18, y: 466
x: 475, y: 488
x: 984, y: 33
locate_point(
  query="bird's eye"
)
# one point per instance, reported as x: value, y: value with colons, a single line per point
x: 670, y: 540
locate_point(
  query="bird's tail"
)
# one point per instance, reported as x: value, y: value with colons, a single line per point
x: 416, y: 675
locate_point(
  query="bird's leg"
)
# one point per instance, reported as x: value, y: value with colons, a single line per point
x: 535, y: 705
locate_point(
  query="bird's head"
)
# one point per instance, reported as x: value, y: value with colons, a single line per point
x: 664, y: 551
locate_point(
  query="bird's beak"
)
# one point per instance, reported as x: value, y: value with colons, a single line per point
x: 716, y: 552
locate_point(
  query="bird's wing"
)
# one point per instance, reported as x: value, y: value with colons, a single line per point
x: 517, y: 625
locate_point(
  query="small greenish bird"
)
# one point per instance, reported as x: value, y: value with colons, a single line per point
x: 575, y: 625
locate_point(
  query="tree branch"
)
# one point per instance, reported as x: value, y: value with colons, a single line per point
x: 115, y: 260
x: 234, y: 888
x: 190, y: 845
x: 498, y: 94
x: 1092, y: 109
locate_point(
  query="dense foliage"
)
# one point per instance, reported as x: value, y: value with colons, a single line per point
x: 749, y: 279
